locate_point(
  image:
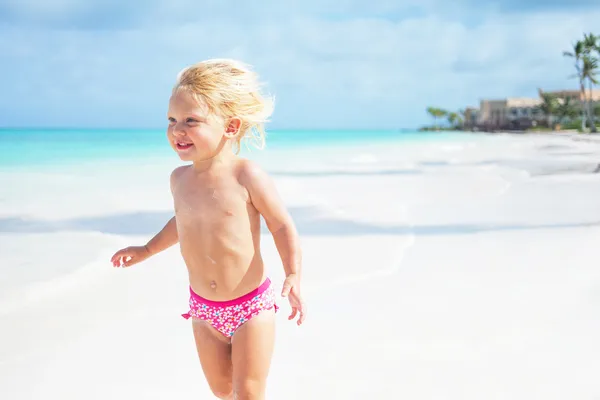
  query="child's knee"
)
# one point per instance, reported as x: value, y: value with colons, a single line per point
x: 249, y: 390
x: 222, y: 390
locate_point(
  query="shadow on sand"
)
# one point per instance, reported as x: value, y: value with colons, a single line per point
x: 310, y: 221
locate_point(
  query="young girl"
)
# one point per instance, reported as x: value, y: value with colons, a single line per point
x: 218, y: 200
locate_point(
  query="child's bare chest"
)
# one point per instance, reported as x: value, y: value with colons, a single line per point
x: 206, y: 202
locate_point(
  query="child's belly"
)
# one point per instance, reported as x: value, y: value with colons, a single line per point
x: 223, y: 259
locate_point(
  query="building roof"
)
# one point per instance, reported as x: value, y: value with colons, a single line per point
x: 574, y: 93
x: 522, y: 102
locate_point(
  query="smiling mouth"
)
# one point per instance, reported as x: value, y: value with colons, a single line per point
x: 183, y: 145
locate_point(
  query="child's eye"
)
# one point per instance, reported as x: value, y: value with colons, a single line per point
x: 172, y: 120
x: 191, y: 121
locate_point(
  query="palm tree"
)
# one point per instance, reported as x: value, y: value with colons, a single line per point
x: 590, y: 67
x: 549, y: 107
x: 566, y: 110
x: 462, y: 118
x: 454, y: 119
x: 436, y: 113
x: 578, y: 54
x: 463, y: 115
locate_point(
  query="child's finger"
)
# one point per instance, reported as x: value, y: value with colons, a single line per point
x: 118, y: 254
x: 301, y: 319
x: 114, y: 258
x: 293, y: 315
x: 302, y: 314
x: 117, y: 259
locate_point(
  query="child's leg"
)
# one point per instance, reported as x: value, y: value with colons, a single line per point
x: 252, y: 349
x: 214, y: 351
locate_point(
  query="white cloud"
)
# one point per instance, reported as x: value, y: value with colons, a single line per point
x: 349, y: 72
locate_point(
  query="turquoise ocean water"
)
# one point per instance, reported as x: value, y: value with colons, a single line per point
x: 44, y: 147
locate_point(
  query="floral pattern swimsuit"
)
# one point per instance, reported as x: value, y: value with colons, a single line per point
x: 228, y: 316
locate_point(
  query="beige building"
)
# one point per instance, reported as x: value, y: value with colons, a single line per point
x: 510, y: 113
x: 516, y: 113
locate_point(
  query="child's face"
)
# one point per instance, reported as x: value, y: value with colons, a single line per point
x: 193, y: 132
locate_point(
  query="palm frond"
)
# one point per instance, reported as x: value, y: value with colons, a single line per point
x: 590, y: 41
x: 578, y: 48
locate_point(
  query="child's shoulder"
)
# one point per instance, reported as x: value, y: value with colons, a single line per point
x: 249, y: 172
x: 261, y: 188
x: 178, y: 172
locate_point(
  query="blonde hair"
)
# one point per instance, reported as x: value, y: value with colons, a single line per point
x: 230, y: 89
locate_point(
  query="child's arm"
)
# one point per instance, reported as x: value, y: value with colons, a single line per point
x: 266, y: 200
x: 164, y: 239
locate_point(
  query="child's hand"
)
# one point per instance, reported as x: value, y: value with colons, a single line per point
x: 129, y: 256
x: 291, y: 290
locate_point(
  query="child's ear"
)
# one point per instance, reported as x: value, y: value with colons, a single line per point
x: 233, y: 127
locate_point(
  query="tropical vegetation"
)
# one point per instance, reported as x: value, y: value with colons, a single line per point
x: 455, y: 119
x: 585, y: 54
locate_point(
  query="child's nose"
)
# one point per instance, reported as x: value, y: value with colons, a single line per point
x: 178, y: 130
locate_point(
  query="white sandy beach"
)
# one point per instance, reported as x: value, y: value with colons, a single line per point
x: 464, y: 269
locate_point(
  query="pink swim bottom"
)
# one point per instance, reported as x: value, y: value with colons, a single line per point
x: 228, y: 316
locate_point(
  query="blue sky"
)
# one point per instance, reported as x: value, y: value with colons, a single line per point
x: 331, y: 64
